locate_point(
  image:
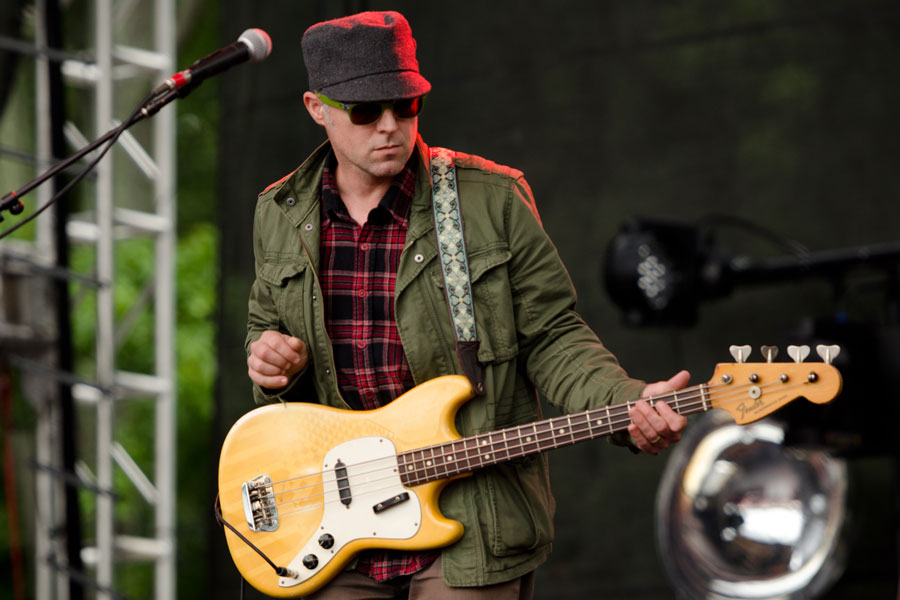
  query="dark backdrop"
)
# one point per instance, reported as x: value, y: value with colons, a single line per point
x: 780, y: 113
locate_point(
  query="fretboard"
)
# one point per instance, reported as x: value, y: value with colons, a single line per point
x: 467, y: 454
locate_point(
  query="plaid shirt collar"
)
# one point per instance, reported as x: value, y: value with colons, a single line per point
x: 393, y: 206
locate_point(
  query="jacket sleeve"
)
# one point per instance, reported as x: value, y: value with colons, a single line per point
x: 262, y: 313
x: 562, y: 356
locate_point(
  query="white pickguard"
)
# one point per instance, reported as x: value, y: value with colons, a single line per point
x: 371, y: 465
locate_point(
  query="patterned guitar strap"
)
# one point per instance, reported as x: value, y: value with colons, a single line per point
x: 448, y: 225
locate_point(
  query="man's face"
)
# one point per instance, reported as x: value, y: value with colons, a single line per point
x: 377, y: 151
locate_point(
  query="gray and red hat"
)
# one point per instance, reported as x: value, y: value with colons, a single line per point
x: 363, y: 57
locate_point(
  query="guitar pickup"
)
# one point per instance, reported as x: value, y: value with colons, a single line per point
x: 343, y: 483
x: 393, y: 501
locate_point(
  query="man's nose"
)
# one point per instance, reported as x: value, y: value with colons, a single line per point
x: 388, y: 120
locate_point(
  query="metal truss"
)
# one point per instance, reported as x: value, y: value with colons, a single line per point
x: 134, y: 197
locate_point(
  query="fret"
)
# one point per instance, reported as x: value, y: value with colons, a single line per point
x: 472, y: 453
x: 401, y: 467
x: 412, y: 468
x: 460, y: 457
x: 428, y: 463
x: 491, y: 448
x: 675, y: 402
x: 482, y: 443
x: 453, y: 459
x: 516, y: 449
x: 704, y: 396
x: 571, y: 429
x: 544, y: 434
x: 442, y: 459
x: 530, y: 440
x: 609, y: 422
x: 595, y: 419
x: 582, y: 425
x: 506, y: 444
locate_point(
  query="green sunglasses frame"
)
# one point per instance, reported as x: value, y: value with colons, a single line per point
x: 388, y: 103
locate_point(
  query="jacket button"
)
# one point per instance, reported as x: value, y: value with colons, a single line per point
x: 418, y: 258
x: 308, y: 227
x: 290, y: 202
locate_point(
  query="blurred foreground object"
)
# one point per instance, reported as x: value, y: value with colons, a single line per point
x: 740, y: 515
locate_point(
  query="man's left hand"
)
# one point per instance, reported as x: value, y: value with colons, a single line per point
x: 656, y: 428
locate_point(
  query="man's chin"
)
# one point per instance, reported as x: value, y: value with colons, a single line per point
x: 388, y: 168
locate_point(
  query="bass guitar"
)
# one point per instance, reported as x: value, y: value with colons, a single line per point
x: 303, y: 488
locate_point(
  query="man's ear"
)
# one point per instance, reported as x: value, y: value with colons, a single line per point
x: 315, y: 107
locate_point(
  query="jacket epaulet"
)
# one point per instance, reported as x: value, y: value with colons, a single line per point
x: 275, y: 184
x: 489, y: 167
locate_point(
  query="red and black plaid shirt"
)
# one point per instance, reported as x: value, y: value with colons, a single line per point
x: 358, y: 270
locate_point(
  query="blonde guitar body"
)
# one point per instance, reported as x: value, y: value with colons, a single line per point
x: 301, y: 443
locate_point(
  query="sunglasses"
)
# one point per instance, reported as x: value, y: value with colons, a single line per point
x: 366, y: 113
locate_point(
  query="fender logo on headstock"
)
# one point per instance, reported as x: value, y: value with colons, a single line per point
x: 756, y: 407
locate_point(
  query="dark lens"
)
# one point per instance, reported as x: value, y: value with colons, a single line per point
x: 408, y: 108
x: 365, y: 113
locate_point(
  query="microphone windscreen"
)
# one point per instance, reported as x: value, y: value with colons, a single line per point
x: 258, y: 41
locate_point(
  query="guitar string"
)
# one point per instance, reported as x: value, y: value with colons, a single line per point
x: 518, y: 442
x: 364, y: 488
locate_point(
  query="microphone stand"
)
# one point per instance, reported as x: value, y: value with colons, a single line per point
x: 12, y: 201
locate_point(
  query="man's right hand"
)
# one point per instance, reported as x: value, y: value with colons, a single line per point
x: 274, y: 358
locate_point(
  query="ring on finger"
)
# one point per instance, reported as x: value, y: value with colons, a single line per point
x: 656, y: 440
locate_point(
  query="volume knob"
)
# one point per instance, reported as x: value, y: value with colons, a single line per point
x: 326, y: 540
x: 310, y: 561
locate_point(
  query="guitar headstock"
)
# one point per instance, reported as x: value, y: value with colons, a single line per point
x: 751, y: 391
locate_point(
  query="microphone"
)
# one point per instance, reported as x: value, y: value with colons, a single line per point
x: 254, y: 45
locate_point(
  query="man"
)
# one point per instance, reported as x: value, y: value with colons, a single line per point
x: 349, y: 309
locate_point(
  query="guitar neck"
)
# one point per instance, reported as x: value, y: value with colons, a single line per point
x: 468, y: 454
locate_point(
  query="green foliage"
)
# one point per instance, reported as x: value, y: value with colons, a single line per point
x: 195, y: 359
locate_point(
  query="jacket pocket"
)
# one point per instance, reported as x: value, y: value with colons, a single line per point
x: 495, y: 322
x: 285, y: 283
x: 520, y: 518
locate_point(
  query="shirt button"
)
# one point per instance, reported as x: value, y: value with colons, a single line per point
x: 362, y: 293
x: 370, y: 394
x: 364, y: 247
x: 361, y: 344
x: 418, y: 258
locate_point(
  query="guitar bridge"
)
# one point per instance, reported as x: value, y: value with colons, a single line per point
x: 259, y: 504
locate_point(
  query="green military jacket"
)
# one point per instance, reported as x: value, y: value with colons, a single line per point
x: 532, y: 340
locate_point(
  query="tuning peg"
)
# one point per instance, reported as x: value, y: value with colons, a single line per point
x: 769, y: 352
x: 798, y: 353
x: 740, y: 353
x: 828, y: 353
